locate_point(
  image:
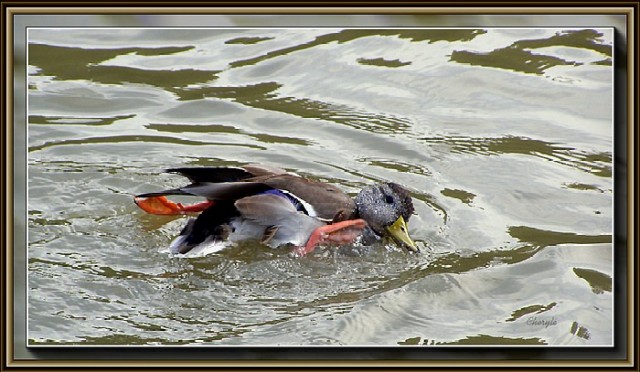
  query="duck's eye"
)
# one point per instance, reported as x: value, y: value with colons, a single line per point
x: 388, y: 199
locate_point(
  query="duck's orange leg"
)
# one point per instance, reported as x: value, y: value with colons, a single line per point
x: 163, y: 206
x: 339, y: 233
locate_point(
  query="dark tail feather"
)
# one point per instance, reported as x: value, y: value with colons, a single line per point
x: 163, y: 193
x: 215, y: 191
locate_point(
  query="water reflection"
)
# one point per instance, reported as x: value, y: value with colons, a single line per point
x: 62, y: 120
x: 68, y: 63
x: 531, y: 309
x: 345, y: 36
x: 598, y: 163
x: 382, y: 62
x: 522, y: 56
x: 264, y: 96
x: 134, y: 139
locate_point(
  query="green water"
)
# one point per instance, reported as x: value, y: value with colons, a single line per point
x: 503, y: 137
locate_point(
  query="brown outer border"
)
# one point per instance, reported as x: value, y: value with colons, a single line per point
x: 401, y: 9
x: 627, y: 8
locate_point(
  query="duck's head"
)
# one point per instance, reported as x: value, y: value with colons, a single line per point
x: 386, y: 208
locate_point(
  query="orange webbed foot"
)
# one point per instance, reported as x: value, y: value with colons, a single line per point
x: 160, y: 205
x: 339, y: 233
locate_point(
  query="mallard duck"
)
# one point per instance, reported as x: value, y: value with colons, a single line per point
x: 280, y: 208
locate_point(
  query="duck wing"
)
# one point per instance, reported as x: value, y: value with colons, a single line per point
x: 281, y: 220
x: 320, y: 199
x: 226, y: 174
x: 215, y: 191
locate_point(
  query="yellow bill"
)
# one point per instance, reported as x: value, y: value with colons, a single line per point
x: 400, y: 234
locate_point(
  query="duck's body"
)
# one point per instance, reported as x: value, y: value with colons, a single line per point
x: 278, y: 208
